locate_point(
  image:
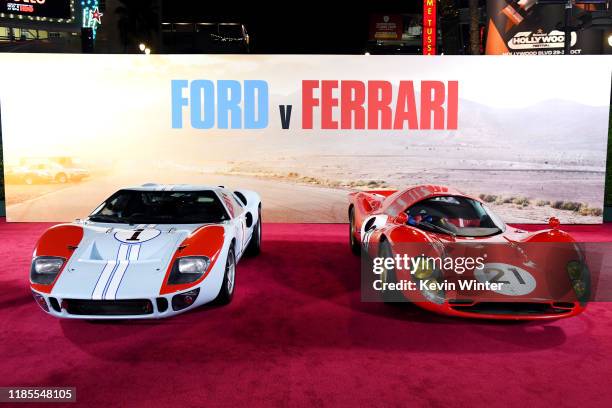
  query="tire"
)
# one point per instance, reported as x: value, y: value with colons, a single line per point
x: 254, y: 247
x: 61, y: 178
x: 226, y: 293
x: 388, y: 276
x: 354, y: 244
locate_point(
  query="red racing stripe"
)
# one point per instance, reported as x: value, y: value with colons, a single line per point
x: 205, y: 241
x: 59, y: 240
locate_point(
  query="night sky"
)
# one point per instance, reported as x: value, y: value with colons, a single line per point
x: 297, y: 27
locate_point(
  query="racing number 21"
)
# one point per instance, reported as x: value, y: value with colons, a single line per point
x: 499, y: 273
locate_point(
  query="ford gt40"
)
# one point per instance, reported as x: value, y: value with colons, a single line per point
x: 147, y: 252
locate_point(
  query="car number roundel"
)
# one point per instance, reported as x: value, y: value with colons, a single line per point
x: 370, y: 225
x: 514, y: 281
x: 136, y: 236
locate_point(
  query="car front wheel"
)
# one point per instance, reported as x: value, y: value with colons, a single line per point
x: 229, y: 280
x: 354, y: 243
x: 388, y: 275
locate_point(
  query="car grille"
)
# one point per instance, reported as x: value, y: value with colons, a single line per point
x: 513, y: 308
x: 108, y: 307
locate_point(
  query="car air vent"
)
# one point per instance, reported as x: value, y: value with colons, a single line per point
x: 564, y: 305
x: 460, y: 302
x: 510, y: 308
x: 162, y: 304
x: 86, y: 307
x: 55, y: 304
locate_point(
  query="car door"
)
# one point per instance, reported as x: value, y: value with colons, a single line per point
x: 238, y: 215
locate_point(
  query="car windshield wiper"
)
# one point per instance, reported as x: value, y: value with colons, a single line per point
x: 105, y: 218
x: 153, y: 219
x: 437, y: 227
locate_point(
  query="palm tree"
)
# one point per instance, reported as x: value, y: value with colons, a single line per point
x: 138, y: 22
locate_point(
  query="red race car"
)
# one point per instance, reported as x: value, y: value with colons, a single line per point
x: 449, y: 253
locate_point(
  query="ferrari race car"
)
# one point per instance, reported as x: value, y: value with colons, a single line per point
x: 426, y: 230
x: 147, y: 252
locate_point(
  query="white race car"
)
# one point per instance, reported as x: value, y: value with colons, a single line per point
x: 147, y: 252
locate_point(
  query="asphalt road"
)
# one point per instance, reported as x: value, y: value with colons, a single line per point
x: 282, y: 201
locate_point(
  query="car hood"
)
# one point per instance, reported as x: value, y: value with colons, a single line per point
x: 120, y: 261
x: 529, y: 269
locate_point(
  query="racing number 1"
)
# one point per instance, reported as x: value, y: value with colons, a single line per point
x: 135, y: 235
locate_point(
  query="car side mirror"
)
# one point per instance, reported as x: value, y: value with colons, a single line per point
x: 553, y: 222
x: 402, y: 218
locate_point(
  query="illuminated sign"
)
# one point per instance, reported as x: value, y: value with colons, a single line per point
x: 429, y: 27
x: 37, y: 9
x: 386, y: 27
x: 92, y: 17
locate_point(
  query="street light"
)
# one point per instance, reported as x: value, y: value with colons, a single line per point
x: 610, y: 40
x: 142, y: 47
x: 147, y: 51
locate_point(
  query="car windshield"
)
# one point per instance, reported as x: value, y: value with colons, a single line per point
x: 161, y: 207
x: 454, y: 215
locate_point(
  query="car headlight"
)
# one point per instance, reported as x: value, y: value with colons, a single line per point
x: 433, y: 293
x: 579, y: 288
x: 574, y: 270
x: 424, y: 268
x: 425, y: 271
x: 44, y: 269
x: 578, y: 275
x: 185, y: 299
x: 188, y: 269
x: 40, y: 300
x: 193, y: 264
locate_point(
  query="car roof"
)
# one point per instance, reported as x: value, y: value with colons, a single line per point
x: 174, y: 187
x: 402, y: 199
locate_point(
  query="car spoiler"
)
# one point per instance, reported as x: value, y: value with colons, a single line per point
x: 385, y: 193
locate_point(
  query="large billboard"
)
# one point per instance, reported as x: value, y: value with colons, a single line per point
x: 528, y: 27
x: 305, y: 131
x: 55, y: 9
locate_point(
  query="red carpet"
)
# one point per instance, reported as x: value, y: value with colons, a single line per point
x: 298, y: 335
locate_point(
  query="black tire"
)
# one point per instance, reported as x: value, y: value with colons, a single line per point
x: 226, y: 293
x: 355, y: 245
x: 254, y: 247
x: 388, y: 276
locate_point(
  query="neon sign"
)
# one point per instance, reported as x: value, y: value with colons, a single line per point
x: 429, y: 27
x: 92, y: 17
